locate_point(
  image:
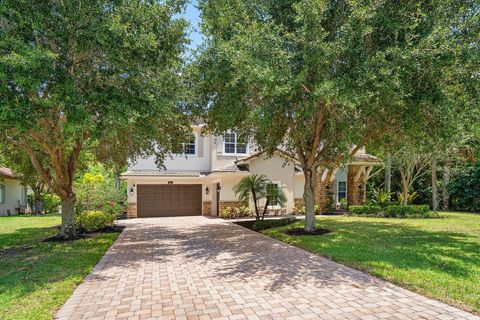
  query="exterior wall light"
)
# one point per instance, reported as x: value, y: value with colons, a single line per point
x: 207, y: 191
x: 132, y: 190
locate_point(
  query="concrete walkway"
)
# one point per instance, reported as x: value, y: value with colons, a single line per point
x: 200, y: 268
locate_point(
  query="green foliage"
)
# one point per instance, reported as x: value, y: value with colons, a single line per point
x: 50, y: 202
x: 236, y: 212
x: 410, y: 197
x: 393, y: 211
x: 410, y: 211
x: 91, y: 221
x: 96, y: 190
x: 316, y: 76
x: 365, y: 210
x: 260, y: 225
x: 259, y: 187
x: 381, y: 198
x: 95, y: 75
x: 464, y: 189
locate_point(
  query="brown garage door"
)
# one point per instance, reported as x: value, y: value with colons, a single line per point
x: 166, y: 200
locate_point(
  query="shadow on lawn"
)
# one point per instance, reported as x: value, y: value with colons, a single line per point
x: 232, y: 252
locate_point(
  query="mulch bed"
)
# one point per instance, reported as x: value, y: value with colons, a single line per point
x: 246, y: 224
x: 84, y: 235
x: 302, y: 232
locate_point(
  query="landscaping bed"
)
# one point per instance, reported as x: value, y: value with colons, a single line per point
x: 439, y: 258
x: 37, y: 277
x: 265, y: 224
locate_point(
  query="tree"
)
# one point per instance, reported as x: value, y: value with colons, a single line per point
x: 96, y: 76
x: 321, y: 79
x: 258, y: 187
x: 411, y: 164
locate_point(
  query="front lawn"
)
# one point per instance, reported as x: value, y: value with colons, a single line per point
x: 439, y: 258
x: 36, y: 277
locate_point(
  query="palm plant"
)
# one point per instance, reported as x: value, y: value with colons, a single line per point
x: 257, y: 186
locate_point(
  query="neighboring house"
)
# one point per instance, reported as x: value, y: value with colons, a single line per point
x: 201, y: 181
x: 13, y: 195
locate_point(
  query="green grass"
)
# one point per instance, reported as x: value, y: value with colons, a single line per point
x: 438, y: 258
x: 36, y: 277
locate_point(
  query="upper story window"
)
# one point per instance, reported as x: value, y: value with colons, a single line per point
x: 2, y: 193
x: 187, y: 148
x: 232, y: 144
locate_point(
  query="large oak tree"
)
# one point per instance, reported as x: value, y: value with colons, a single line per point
x: 323, y: 78
x: 96, y: 76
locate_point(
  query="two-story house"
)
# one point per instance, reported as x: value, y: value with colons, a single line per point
x: 201, y: 181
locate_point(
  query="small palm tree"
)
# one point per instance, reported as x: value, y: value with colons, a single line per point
x: 257, y: 186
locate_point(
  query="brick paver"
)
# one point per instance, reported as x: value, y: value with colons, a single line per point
x: 200, y: 268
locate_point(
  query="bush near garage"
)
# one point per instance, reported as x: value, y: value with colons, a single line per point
x: 236, y: 212
x: 91, y: 221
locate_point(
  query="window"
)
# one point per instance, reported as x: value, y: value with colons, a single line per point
x: 272, y: 194
x: 24, y: 196
x: 232, y: 144
x: 186, y: 147
x: 342, y: 190
x: 2, y: 193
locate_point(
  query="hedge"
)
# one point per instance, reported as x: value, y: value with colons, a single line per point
x: 393, y: 211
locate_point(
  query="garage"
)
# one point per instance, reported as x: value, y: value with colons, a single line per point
x: 169, y: 200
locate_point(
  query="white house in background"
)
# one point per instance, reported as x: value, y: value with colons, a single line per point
x: 13, y: 195
x: 201, y: 181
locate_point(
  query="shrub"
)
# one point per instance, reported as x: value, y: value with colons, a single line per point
x: 50, y: 203
x: 91, y: 221
x: 236, y: 212
x: 410, y: 211
x: 302, y: 209
x: 368, y: 210
x: 272, y: 223
x: 394, y: 211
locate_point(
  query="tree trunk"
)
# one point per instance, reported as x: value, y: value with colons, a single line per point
x: 404, y: 193
x: 117, y: 179
x: 308, y: 198
x: 434, y: 185
x: 446, y: 181
x: 388, y: 173
x: 37, y: 196
x: 68, y: 216
x: 255, y: 203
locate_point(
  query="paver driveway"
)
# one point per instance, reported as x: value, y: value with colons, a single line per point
x: 200, y: 268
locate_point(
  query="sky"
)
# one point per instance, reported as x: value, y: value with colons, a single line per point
x: 192, y: 14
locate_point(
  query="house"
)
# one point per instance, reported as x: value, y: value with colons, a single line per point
x: 201, y: 180
x: 13, y: 195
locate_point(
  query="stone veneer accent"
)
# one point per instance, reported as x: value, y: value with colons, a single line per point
x: 355, y: 189
x: 324, y: 194
x: 207, y: 208
x: 132, y: 210
x: 298, y: 203
x: 223, y: 204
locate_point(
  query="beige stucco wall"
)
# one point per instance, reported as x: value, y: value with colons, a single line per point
x: 277, y: 169
x: 13, y: 195
x: 198, y: 162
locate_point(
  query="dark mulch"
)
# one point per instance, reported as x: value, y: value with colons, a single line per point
x: 84, y: 235
x: 246, y: 224
x: 335, y: 213
x: 302, y: 232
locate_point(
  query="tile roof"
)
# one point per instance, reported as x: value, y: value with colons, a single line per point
x: 163, y: 173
